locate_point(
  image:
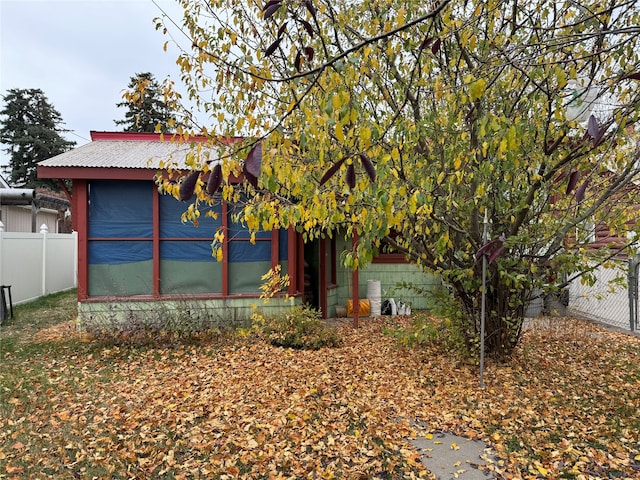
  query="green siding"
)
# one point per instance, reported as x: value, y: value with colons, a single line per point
x: 125, y: 279
x: 178, y: 277
x: 246, y: 277
x: 332, y: 301
x: 187, y: 313
x: 389, y: 275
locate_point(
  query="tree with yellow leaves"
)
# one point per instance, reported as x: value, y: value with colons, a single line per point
x: 406, y: 122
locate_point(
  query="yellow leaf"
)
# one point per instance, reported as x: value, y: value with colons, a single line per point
x: 339, y: 133
x: 413, y: 204
x: 401, y: 14
x: 438, y: 88
x: 365, y: 136
x: 335, y: 102
x: 561, y: 77
x: 512, y: 141
x: 477, y: 88
x: 542, y: 470
x: 353, y: 115
x: 503, y: 146
x: 472, y: 42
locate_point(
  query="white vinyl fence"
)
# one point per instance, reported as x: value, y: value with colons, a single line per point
x: 601, y: 302
x: 37, y: 264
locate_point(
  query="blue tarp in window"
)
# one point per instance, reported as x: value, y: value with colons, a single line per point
x: 244, y: 251
x: 119, y: 251
x: 190, y: 251
x: 120, y: 209
x: 237, y: 230
x: 124, y: 209
x: 171, y: 225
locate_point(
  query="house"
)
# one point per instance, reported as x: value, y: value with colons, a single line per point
x: 136, y: 257
x: 26, y: 210
x: 32, y: 263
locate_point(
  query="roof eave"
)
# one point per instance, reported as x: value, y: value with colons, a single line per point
x: 96, y: 173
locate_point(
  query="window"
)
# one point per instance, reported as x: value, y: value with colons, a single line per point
x: 120, y: 246
x: 388, y: 254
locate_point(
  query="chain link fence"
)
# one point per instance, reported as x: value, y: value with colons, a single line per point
x: 608, y: 300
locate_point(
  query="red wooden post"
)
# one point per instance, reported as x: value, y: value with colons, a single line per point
x: 275, y: 248
x: 225, y: 251
x: 323, y: 278
x: 156, y: 242
x: 292, y: 259
x: 81, y: 225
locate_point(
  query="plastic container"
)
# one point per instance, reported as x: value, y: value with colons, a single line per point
x: 394, y: 307
x: 374, y: 296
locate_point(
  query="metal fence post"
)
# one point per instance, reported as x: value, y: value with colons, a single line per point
x: 634, y: 268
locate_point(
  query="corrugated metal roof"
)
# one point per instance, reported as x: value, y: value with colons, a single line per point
x: 133, y: 154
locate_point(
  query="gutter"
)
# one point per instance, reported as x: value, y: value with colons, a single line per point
x: 28, y: 196
x: 17, y: 196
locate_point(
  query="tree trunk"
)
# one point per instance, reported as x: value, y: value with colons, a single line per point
x: 504, y: 308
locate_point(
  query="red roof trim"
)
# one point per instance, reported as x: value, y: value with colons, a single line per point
x: 157, y: 137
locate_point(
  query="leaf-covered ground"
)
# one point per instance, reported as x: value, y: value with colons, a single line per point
x: 566, y: 406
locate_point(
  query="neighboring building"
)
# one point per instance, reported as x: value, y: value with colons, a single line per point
x: 26, y: 210
x: 135, y: 256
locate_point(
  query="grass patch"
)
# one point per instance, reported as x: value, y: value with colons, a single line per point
x: 33, y: 317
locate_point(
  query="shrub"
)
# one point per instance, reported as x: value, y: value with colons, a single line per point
x: 159, y: 324
x: 422, y: 331
x: 301, y: 328
x: 445, y: 327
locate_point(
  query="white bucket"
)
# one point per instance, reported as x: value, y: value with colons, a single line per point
x: 374, y: 295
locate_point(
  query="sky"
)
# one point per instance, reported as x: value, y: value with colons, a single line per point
x: 82, y: 54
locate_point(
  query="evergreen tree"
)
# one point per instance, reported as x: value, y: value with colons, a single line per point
x: 146, y: 107
x: 30, y: 127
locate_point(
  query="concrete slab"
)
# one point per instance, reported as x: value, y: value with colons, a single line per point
x: 450, y: 456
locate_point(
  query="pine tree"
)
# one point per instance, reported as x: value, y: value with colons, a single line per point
x: 146, y: 107
x: 30, y: 128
